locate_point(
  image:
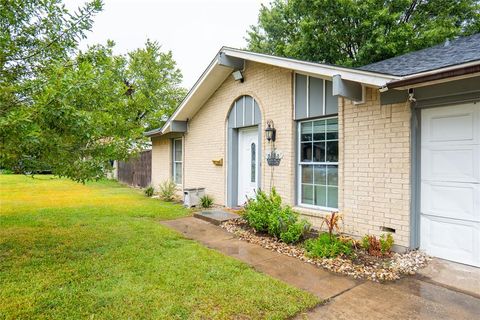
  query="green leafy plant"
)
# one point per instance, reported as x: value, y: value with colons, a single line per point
x: 167, y: 190
x: 295, y: 232
x: 265, y: 213
x: 206, y: 201
x: 386, y: 243
x: 378, y: 246
x: 326, y: 246
x: 149, y: 191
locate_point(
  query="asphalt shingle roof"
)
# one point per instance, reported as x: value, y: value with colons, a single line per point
x: 450, y: 53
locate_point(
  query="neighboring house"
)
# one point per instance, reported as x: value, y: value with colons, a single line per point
x: 394, y: 145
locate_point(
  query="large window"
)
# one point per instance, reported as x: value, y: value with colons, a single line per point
x: 318, y: 163
x: 177, y: 161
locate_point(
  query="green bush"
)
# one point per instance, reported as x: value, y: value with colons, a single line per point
x: 149, y: 191
x: 386, y: 243
x: 265, y: 213
x: 328, y: 247
x: 295, y: 232
x: 206, y: 201
x: 167, y: 190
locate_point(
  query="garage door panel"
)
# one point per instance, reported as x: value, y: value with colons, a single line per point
x: 451, y: 239
x: 451, y: 163
x: 451, y: 125
x: 450, y: 183
x: 451, y: 200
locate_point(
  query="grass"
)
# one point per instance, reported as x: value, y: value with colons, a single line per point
x: 96, y: 251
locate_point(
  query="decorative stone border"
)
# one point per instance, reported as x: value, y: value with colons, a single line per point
x: 364, y: 267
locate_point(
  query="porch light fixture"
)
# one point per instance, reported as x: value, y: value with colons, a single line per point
x: 270, y: 131
x: 238, y: 76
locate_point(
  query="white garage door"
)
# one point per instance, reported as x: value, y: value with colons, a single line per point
x: 450, y: 183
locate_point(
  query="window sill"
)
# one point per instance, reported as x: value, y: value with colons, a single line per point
x: 313, y: 210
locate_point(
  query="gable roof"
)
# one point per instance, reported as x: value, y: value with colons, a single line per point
x: 451, y: 53
x: 219, y: 69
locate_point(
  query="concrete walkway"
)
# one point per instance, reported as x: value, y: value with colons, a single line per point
x: 346, y: 298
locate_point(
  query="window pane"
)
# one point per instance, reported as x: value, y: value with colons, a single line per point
x: 332, y: 175
x: 178, y: 150
x: 319, y: 130
x: 307, y: 194
x: 306, y: 152
x: 332, y: 151
x: 253, y: 166
x: 332, y: 200
x: 320, y: 175
x: 178, y: 173
x: 321, y: 196
x: 307, y: 174
x: 319, y: 151
x: 332, y: 129
x: 306, y: 131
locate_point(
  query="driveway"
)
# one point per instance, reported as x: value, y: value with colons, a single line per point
x: 344, y: 298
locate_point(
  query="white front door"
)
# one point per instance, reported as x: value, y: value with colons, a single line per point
x: 247, y: 163
x: 450, y: 183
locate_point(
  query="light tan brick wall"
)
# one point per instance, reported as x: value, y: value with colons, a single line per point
x: 375, y: 167
x: 161, y: 160
x: 374, y: 152
x: 206, y: 137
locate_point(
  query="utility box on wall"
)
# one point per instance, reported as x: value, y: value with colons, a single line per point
x: 191, y: 196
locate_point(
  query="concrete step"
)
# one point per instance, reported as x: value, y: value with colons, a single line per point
x: 215, y: 216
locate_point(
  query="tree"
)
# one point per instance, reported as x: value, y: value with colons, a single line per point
x: 156, y: 81
x: 70, y: 111
x: 359, y: 32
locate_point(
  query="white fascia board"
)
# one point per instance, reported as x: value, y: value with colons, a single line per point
x: 365, y: 77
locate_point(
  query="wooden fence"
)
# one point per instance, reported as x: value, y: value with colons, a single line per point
x: 136, y: 172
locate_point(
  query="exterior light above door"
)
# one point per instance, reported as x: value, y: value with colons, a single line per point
x: 270, y: 131
x: 238, y: 75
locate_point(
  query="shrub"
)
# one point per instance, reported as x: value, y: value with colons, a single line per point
x: 378, y: 247
x: 295, y: 232
x: 265, y: 213
x: 149, y: 191
x: 206, y: 201
x: 258, y: 210
x: 328, y: 247
x: 386, y: 243
x: 167, y: 190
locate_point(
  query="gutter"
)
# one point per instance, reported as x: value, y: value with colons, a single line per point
x: 440, y: 75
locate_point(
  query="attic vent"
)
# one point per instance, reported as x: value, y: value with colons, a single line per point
x: 387, y: 229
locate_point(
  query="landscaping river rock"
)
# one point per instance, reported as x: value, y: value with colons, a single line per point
x: 362, y: 266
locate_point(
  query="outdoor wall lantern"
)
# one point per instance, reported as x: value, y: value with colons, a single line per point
x: 270, y: 131
x: 238, y: 76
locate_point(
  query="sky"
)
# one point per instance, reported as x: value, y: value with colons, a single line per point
x: 193, y: 30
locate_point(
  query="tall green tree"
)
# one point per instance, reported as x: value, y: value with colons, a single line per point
x: 70, y: 111
x: 359, y: 32
x: 156, y: 84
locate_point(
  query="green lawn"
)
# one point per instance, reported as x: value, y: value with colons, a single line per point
x: 97, y: 251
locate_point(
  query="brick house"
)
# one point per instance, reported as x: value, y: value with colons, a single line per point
x: 394, y: 145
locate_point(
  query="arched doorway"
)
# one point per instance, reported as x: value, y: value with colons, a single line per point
x: 244, y: 152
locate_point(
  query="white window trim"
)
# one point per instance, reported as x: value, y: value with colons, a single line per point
x: 175, y: 161
x: 299, y: 167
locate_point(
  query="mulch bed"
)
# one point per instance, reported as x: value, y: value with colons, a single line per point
x: 362, y: 266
